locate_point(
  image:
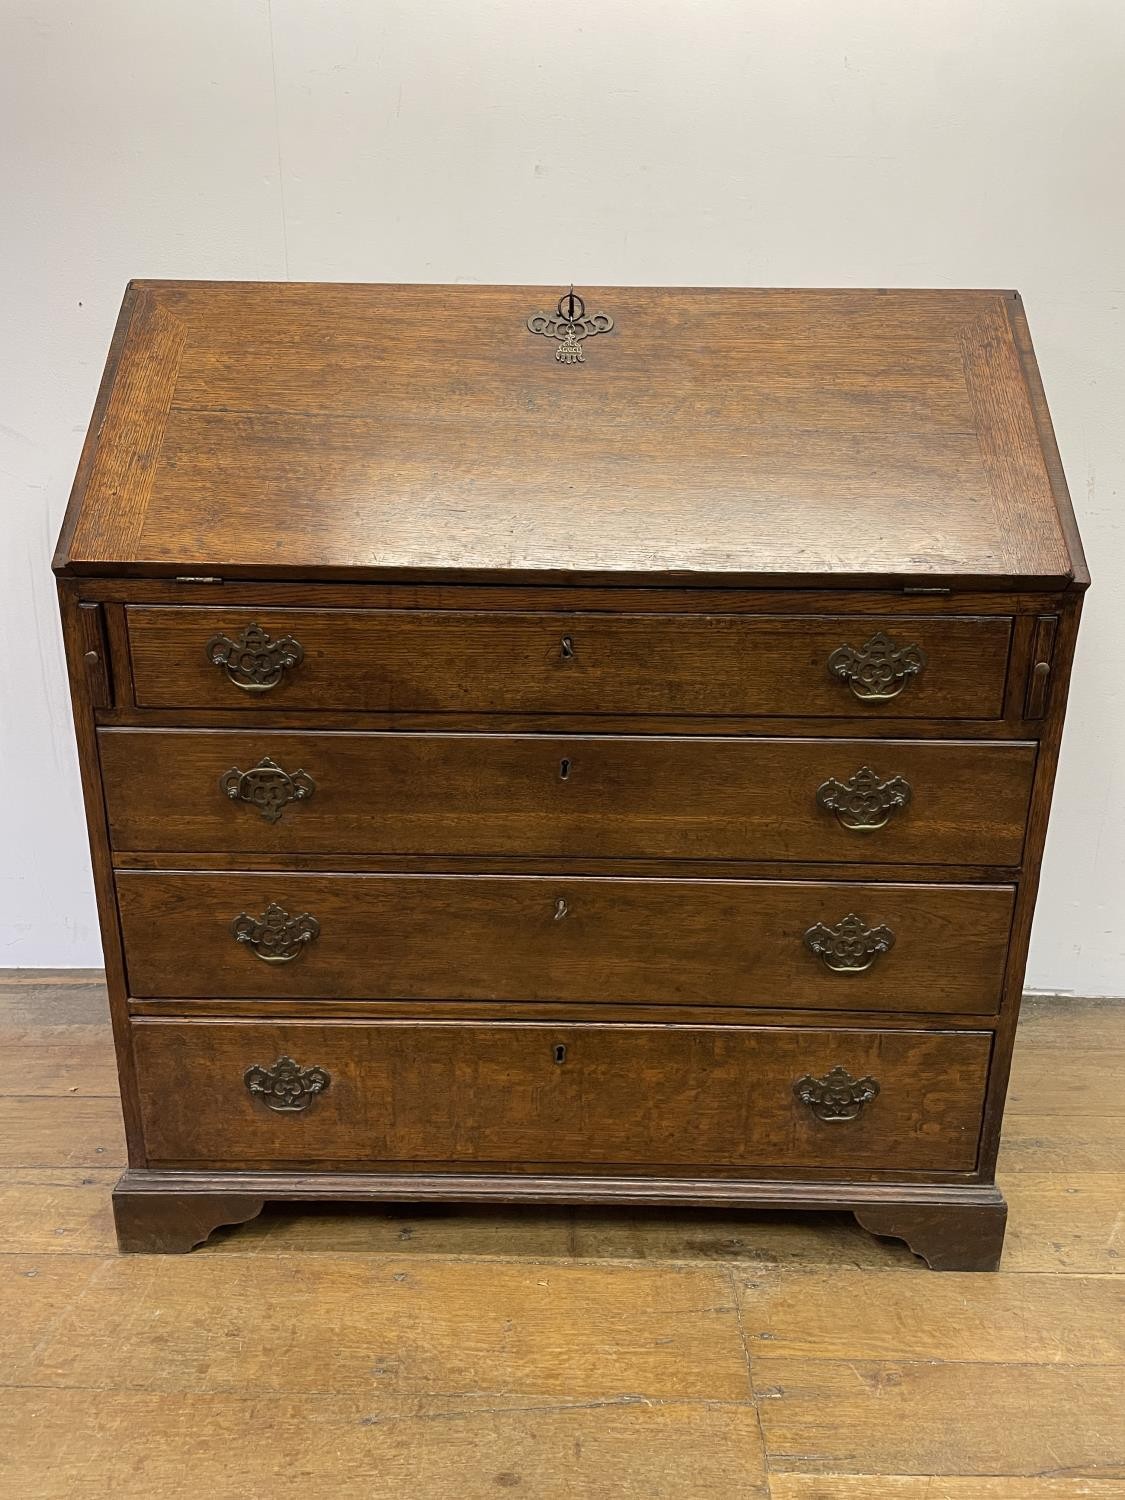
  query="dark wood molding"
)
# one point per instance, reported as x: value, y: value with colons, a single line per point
x: 642, y: 597
x: 953, y: 1228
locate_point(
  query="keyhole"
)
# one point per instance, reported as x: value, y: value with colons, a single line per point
x: 567, y: 645
x: 561, y: 909
x: 560, y: 1053
x: 564, y: 769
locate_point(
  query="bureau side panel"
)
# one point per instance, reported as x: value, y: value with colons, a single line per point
x: 1050, y: 728
x: 88, y: 680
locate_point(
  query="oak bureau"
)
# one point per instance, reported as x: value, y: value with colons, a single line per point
x: 568, y: 746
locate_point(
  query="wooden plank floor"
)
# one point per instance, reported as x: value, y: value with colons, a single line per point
x: 555, y: 1354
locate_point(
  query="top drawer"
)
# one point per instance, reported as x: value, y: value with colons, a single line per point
x: 475, y: 662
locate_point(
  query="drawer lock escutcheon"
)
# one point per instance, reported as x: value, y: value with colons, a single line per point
x: 570, y: 325
x: 836, y: 1096
x: 863, y: 802
x: 252, y: 660
x: 275, y: 937
x: 879, y: 669
x: 286, y: 1088
x: 267, y: 787
x: 851, y: 946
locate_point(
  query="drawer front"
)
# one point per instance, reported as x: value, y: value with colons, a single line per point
x: 454, y: 661
x: 250, y: 1093
x: 265, y: 792
x: 841, y: 946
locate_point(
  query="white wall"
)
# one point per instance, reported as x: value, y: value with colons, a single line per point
x: 783, y: 142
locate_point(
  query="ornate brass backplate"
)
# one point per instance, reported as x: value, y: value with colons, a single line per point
x: 267, y: 787
x: 570, y: 325
x: 879, y: 669
x: 864, y: 802
x: 253, y: 661
x: 275, y: 936
x: 849, y: 947
x: 286, y: 1087
x: 836, y: 1096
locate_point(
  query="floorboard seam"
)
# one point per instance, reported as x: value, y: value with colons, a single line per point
x: 362, y: 1398
x: 735, y: 1293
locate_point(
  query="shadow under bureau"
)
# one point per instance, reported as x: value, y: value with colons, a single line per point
x: 582, y: 749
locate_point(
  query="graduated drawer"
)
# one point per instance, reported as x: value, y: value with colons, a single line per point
x: 451, y: 660
x: 928, y: 948
x: 263, y: 792
x: 480, y: 1095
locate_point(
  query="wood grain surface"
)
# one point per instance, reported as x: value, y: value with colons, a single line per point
x: 492, y: 1095
x: 132, y: 432
x: 904, y: 1416
x: 640, y: 797
x: 464, y: 1352
x: 398, y: 431
x: 451, y: 661
x: 566, y: 938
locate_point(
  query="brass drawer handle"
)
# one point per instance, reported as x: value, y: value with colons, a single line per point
x: 267, y: 787
x: 879, y: 670
x: 863, y: 802
x: 286, y: 1087
x: 849, y: 947
x: 253, y: 662
x: 275, y: 936
x: 836, y: 1096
